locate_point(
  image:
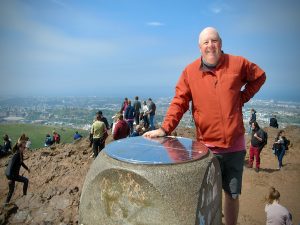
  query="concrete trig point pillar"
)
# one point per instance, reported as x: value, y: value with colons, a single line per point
x: 162, y: 181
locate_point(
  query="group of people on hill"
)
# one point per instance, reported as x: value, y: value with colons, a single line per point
x: 259, y: 139
x: 140, y: 114
x: 55, y: 139
x: 136, y: 112
x: 132, y: 120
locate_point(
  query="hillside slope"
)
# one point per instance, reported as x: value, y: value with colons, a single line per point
x: 57, y: 176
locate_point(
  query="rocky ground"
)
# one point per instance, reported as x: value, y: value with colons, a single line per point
x: 57, y: 176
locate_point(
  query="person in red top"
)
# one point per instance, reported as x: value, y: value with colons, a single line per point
x: 56, y: 137
x: 218, y: 85
x: 121, y: 129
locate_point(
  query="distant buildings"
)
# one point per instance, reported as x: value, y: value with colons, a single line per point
x: 79, y: 112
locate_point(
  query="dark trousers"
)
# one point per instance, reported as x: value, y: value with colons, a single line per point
x: 137, y: 118
x: 130, y: 124
x: 98, y: 145
x: 11, y: 186
x: 146, y: 121
x: 280, y: 154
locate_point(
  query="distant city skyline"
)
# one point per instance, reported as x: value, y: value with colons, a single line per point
x: 125, y: 48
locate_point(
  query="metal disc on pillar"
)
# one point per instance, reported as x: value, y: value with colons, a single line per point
x: 161, y: 181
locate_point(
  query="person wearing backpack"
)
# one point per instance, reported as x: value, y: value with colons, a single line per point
x: 257, y: 144
x: 282, y: 145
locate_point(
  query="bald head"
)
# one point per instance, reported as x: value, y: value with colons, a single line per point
x: 210, y: 45
x: 208, y: 31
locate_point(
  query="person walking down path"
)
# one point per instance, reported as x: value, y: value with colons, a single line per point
x: 257, y: 138
x: 218, y: 85
x: 13, y: 169
x: 281, y: 145
x: 276, y: 213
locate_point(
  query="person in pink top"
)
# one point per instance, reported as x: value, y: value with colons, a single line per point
x: 276, y: 213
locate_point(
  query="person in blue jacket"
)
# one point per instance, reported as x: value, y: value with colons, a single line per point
x: 77, y: 136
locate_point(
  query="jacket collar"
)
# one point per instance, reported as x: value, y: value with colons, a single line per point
x: 220, y: 63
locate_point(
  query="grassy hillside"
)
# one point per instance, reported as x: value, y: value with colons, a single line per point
x: 37, y: 133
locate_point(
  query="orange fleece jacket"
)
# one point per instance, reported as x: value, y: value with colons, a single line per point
x: 217, y: 98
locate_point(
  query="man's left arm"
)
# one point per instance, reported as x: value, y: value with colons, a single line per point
x: 254, y: 78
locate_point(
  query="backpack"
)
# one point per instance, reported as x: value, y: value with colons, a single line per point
x: 265, y: 139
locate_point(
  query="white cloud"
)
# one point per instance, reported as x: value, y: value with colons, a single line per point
x: 155, y: 24
x: 219, y: 7
x: 216, y: 10
x: 60, y: 3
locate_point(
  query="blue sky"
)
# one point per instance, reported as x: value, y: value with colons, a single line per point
x: 130, y: 47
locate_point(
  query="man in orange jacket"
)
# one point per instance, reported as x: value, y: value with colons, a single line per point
x: 218, y: 85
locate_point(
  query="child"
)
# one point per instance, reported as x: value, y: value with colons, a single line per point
x: 276, y: 213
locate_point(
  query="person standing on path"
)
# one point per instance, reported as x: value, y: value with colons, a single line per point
x: 218, y: 85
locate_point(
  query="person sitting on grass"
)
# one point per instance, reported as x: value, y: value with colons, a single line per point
x: 77, y: 136
x: 48, y: 140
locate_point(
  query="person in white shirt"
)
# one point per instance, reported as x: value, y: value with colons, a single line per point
x: 276, y: 213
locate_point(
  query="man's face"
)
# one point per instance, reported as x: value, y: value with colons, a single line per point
x: 210, y: 47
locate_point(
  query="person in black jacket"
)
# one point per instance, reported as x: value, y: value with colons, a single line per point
x: 281, y: 145
x: 13, y: 169
x: 252, y: 119
x: 257, y: 138
x: 273, y: 122
x: 6, y: 148
x: 7, y: 144
x: 103, y: 119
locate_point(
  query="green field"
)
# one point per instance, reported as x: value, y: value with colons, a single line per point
x: 37, y: 133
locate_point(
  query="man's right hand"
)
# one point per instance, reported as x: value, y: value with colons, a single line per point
x: 155, y: 133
